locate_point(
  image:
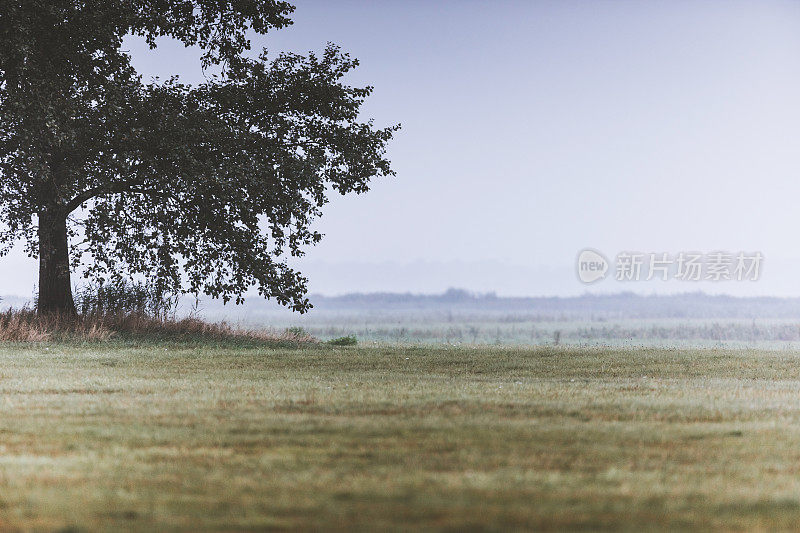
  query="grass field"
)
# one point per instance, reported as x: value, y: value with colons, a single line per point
x: 180, y: 437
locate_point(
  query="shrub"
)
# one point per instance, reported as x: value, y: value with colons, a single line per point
x: 298, y: 334
x: 297, y: 331
x: 344, y: 341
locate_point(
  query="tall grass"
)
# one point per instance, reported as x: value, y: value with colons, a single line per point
x: 124, y: 297
x: 25, y: 325
x: 127, y: 309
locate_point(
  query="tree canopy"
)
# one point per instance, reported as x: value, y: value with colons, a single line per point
x: 203, y: 188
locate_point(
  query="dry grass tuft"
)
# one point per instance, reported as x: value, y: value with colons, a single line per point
x: 26, y: 325
x: 17, y: 326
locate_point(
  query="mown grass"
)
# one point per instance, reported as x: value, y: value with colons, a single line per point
x: 110, y: 436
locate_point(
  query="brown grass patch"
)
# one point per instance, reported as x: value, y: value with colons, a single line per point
x: 26, y: 325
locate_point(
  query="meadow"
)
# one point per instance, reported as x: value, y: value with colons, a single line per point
x: 119, y: 435
x: 522, y: 331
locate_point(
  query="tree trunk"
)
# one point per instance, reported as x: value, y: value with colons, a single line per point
x: 55, y: 291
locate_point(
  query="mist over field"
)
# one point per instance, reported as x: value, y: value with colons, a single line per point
x: 458, y: 316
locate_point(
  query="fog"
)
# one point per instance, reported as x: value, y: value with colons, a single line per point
x: 533, y: 130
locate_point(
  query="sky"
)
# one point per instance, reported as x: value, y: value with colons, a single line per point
x: 533, y: 130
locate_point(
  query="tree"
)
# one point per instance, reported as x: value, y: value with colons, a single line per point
x: 202, y: 188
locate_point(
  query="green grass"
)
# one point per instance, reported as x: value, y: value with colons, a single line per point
x: 110, y: 436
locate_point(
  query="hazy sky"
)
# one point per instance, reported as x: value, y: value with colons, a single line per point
x: 532, y: 130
